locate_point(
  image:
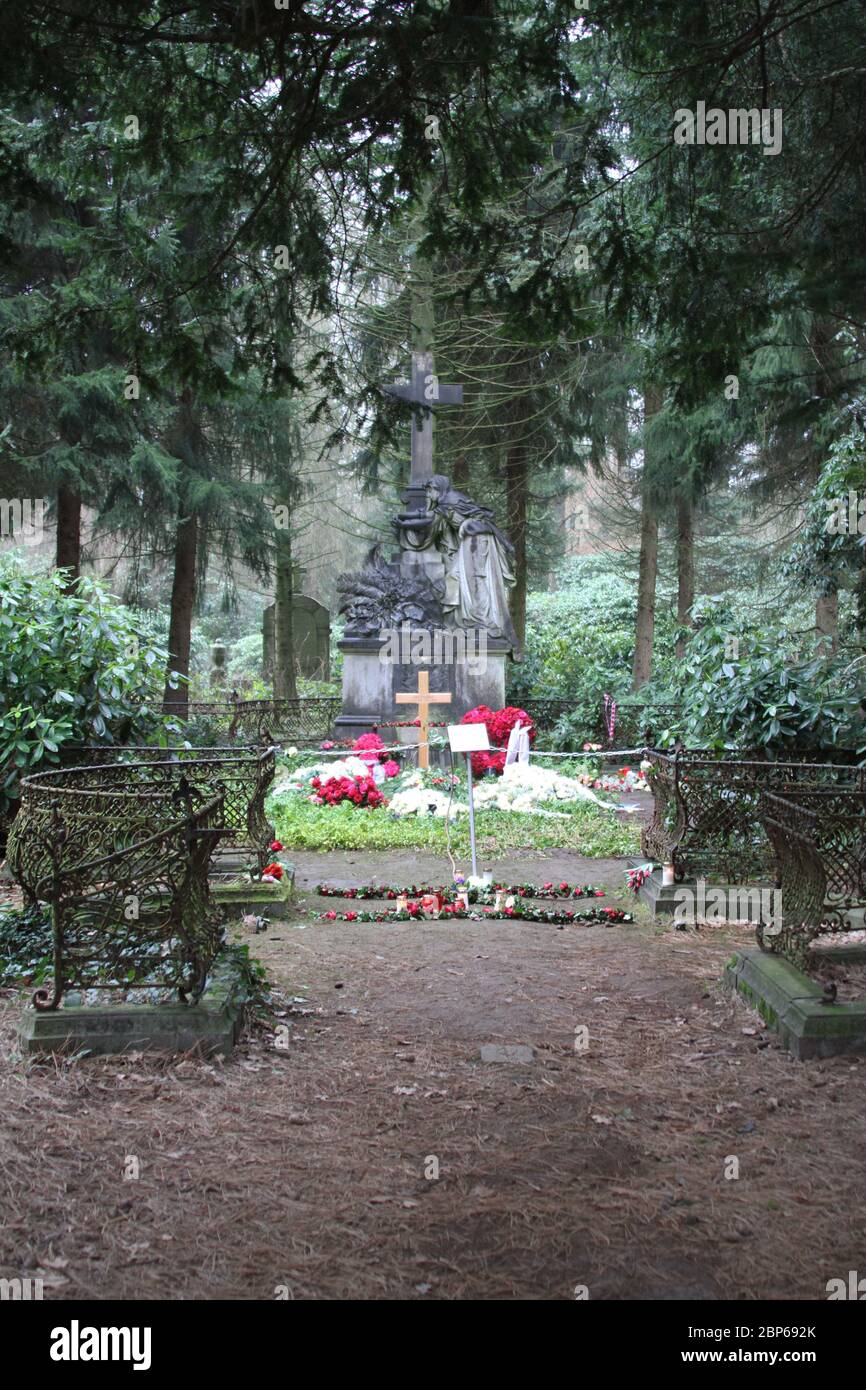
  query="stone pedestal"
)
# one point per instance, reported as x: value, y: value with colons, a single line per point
x: 211, y: 1025
x: 370, y: 684
x: 662, y: 901
x: 793, y: 1005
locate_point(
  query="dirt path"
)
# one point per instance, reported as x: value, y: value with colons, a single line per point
x: 305, y: 1167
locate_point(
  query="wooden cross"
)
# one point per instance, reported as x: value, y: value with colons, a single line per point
x: 423, y: 698
x: 424, y: 391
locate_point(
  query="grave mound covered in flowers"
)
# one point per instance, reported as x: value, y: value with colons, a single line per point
x: 368, y: 777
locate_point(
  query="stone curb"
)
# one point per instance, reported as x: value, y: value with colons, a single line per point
x: 212, y: 1025
x: 791, y: 1004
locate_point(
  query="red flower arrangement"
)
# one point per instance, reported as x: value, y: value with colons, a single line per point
x: 499, y: 724
x: 504, y: 721
x: 361, y: 791
x: 273, y: 870
x: 368, y: 747
x: 442, y: 891
x: 603, y: 916
x: 489, y: 762
x: 481, y: 714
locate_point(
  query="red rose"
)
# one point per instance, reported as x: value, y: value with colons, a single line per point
x: 479, y: 715
x: 275, y: 846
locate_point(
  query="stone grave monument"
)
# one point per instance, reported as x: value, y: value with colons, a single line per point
x: 438, y: 603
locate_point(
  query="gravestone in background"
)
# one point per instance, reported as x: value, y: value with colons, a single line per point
x: 311, y: 622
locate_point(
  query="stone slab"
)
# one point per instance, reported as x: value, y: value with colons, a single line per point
x: 311, y: 623
x: 513, y: 1053
x: 791, y: 1004
x: 852, y: 953
x: 210, y: 1026
x: 369, y: 685
x: 661, y: 899
x: 264, y: 899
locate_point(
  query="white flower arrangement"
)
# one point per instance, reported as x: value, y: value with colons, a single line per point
x: 523, y: 785
x: 520, y: 790
x: 417, y: 800
x: 300, y: 780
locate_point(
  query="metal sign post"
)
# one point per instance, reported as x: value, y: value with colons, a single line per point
x: 468, y: 757
x: 468, y: 739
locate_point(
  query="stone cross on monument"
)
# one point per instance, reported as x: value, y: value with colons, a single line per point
x: 424, y: 391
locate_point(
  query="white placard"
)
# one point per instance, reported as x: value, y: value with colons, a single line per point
x: 468, y: 738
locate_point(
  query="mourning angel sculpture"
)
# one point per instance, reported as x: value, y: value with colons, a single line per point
x: 478, y: 558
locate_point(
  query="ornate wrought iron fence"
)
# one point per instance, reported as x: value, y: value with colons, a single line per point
x: 242, y: 774
x: 305, y: 720
x: 706, y: 817
x: 120, y: 854
x: 545, y: 714
x: 819, y: 836
x: 629, y: 727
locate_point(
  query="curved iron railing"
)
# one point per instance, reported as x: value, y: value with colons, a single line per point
x: 819, y: 836
x: 120, y: 855
x: 242, y: 774
x: 706, y: 819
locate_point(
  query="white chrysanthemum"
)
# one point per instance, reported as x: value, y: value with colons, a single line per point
x: 422, y: 801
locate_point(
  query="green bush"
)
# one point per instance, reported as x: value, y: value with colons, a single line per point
x: 74, y: 668
x: 580, y: 643
x: 754, y: 688
x: 245, y: 660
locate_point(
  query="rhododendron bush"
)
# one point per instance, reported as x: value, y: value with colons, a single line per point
x: 499, y: 724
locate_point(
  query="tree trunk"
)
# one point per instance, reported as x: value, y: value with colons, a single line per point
x: 685, y: 567
x: 285, y: 687
x: 517, y: 491
x: 827, y: 619
x: 646, y: 598
x: 68, y: 554
x: 460, y: 473
x: 825, y: 349
x: 182, y: 601
x: 649, y: 545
